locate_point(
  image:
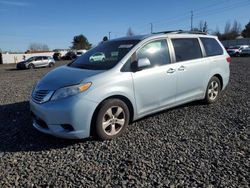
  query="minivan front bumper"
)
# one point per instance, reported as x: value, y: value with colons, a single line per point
x: 66, y: 118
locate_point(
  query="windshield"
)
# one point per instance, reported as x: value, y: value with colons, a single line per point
x: 105, y: 56
x: 30, y: 59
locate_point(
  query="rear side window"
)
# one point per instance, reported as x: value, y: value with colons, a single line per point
x: 211, y: 46
x: 186, y: 49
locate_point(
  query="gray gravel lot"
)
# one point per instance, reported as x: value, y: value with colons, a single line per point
x: 194, y: 145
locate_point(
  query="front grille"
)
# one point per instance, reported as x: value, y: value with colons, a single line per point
x: 41, y: 96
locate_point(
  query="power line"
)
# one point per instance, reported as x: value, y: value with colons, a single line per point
x: 202, y: 12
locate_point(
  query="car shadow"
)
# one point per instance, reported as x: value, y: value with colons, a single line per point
x: 17, y: 133
x: 14, y: 69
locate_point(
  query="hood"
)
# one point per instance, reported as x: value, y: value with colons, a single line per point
x: 64, y: 76
x: 22, y: 62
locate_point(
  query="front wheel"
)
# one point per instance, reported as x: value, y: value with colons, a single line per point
x: 51, y: 64
x: 31, y: 66
x: 213, y: 90
x: 112, y: 119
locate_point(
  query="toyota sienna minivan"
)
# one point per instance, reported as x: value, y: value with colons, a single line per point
x: 139, y: 75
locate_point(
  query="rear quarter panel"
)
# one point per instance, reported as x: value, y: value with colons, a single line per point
x: 219, y: 65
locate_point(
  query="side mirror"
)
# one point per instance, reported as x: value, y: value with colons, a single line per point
x: 143, y: 63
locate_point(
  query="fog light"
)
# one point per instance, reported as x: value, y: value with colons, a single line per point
x: 67, y: 127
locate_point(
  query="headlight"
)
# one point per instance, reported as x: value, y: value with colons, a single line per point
x: 71, y: 90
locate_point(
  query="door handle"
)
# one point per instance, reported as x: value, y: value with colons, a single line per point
x: 171, y: 70
x: 181, y: 68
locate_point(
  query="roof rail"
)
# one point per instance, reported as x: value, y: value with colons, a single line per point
x: 181, y: 31
x: 165, y: 32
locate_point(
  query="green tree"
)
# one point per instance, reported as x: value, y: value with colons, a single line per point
x: 246, y: 32
x: 80, y: 42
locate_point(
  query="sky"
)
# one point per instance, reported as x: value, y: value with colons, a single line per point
x: 56, y: 22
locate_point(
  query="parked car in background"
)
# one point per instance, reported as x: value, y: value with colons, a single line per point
x: 125, y: 79
x: 80, y: 52
x: 69, y: 56
x: 36, y: 61
x: 245, y: 52
x: 99, y: 56
x: 234, y: 51
x: 57, y: 56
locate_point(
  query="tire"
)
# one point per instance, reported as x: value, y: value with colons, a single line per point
x: 213, y: 90
x: 51, y: 64
x: 109, y: 124
x: 31, y: 66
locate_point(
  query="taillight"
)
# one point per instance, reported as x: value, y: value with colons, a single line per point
x: 229, y: 59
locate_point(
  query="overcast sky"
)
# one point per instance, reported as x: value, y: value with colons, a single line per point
x: 56, y: 22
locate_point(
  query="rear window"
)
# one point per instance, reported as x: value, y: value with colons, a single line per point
x: 186, y: 49
x: 211, y: 46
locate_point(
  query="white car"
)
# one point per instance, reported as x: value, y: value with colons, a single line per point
x: 36, y: 61
x: 140, y: 75
x: 235, y: 51
x: 99, y: 56
x: 80, y: 52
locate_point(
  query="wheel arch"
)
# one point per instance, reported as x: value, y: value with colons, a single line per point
x: 120, y: 97
x: 220, y: 78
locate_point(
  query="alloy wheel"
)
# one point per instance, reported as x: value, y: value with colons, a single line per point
x: 113, y: 120
x: 213, y: 90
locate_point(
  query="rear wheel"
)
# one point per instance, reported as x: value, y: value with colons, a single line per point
x: 31, y: 66
x: 213, y: 90
x: 112, y: 119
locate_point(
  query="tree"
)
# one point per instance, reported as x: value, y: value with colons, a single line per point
x: 105, y: 38
x: 38, y: 47
x: 205, y: 27
x: 130, y: 32
x: 80, y: 42
x: 231, y: 32
x: 246, y: 32
x: 202, y: 27
x: 217, y: 33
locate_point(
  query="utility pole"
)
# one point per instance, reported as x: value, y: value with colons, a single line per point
x: 151, y: 27
x: 109, y: 34
x: 192, y: 15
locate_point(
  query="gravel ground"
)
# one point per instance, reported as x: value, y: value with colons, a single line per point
x: 194, y: 145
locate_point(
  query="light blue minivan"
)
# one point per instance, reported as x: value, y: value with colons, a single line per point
x: 139, y: 75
